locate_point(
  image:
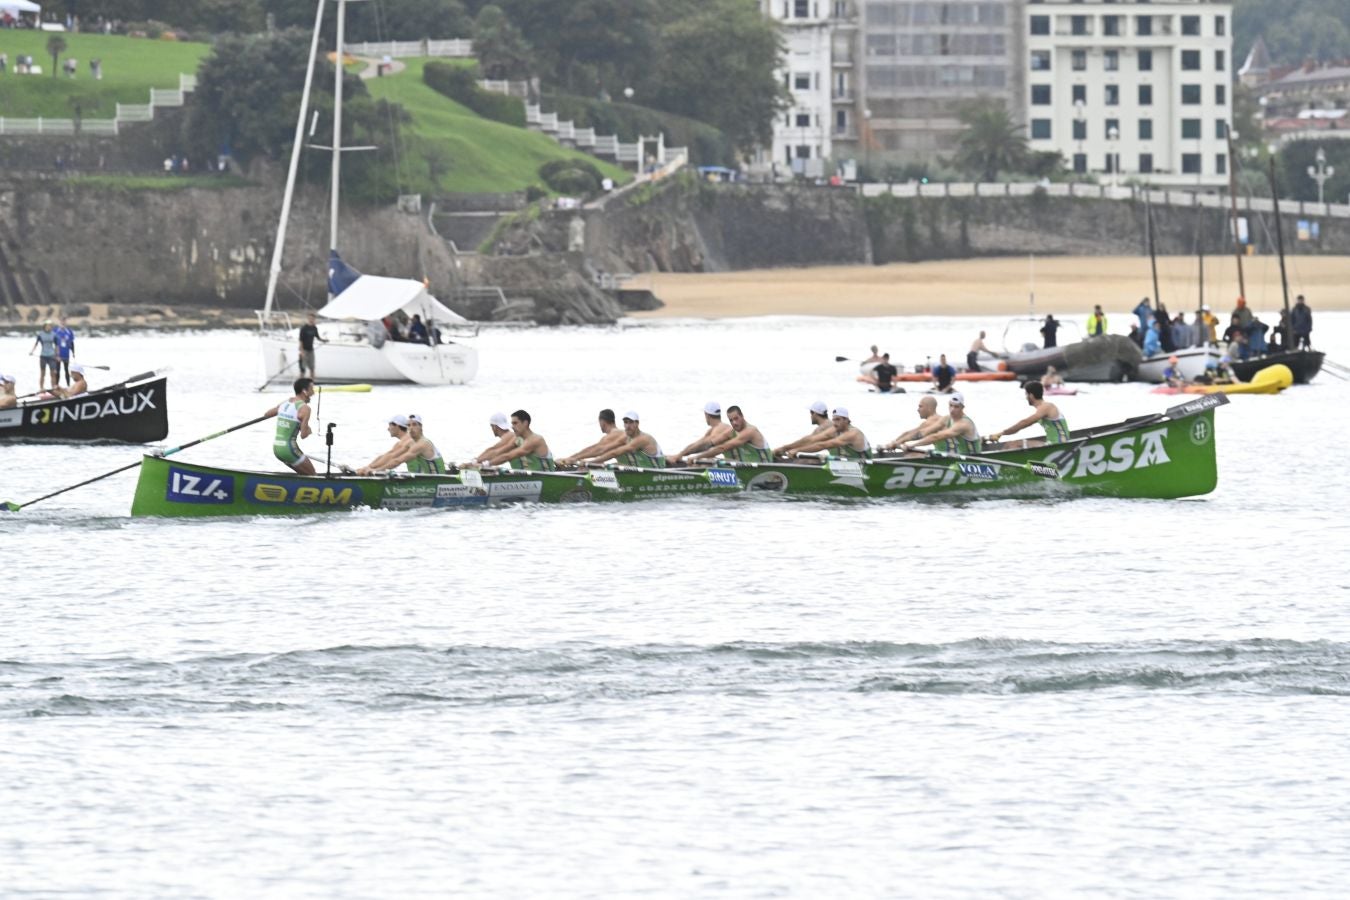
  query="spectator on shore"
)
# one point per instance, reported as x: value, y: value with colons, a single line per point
x: 1143, y: 310
x: 1096, y: 323
x: 1153, y: 339
x: 1049, y: 330
x: 1242, y: 313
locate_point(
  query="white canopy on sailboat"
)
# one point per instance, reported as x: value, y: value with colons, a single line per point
x: 373, y: 297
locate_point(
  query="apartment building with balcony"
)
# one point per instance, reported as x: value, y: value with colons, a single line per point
x: 1132, y: 89
x: 820, y: 124
x: 923, y: 59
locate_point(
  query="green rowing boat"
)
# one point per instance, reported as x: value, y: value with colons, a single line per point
x: 1163, y: 456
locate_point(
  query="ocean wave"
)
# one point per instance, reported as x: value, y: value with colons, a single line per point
x: 401, y: 676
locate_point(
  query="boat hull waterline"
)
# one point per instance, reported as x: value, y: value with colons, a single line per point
x: 1163, y: 456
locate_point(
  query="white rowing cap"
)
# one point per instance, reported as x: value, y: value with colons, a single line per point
x: 712, y: 408
x: 631, y: 416
x: 841, y: 412
x: 500, y: 420
x: 76, y: 367
x: 398, y: 419
x: 819, y: 408
x: 957, y: 399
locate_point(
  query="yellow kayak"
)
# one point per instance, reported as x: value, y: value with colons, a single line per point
x: 1270, y: 380
x: 344, y: 388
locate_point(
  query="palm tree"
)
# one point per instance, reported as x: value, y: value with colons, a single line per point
x: 56, y: 45
x: 992, y: 142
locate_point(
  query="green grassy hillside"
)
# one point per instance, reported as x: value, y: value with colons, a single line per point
x: 131, y: 67
x: 480, y: 155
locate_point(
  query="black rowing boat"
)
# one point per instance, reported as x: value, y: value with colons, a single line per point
x: 135, y: 412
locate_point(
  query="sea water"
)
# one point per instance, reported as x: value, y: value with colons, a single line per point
x: 732, y: 697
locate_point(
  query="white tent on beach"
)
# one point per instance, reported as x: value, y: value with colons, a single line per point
x: 19, y: 6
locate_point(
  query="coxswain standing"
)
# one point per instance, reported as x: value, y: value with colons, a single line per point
x: 639, y: 450
x: 746, y: 443
x: 1048, y: 414
x: 717, y: 432
x: 398, y: 430
x: 824, y: 428
x: 293, y: 427
x: 309, y: 333
x: 927, y: 413
x: 848, y: 440
x: 506, y: 438
x: 613, y: 437
x: 529, y: 451
x: 956, y: 432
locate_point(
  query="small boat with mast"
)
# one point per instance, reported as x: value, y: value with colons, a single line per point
x: 356, y: 349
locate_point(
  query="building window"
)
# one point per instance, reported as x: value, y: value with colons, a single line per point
x: 1111, y: 60
x: 1221, y: 94
x: 803, y: 151
x: 1190, y: 60
x: 1220, y: 163
x: 1040, y: 129
x: 803, y: 120
x: 1111, y: 26
x: 1145, y: 95
x: 1079, y: 94
x: 1220, y: 130
x: 1145, y: 129
x: 801, y: 82
x: 1040, y: 95
x: 1145, y: 163
x: 1220, y: 61
x: 1145, y: 60
x: 1190, y: 94
x: 1079, y: 130
x: 1112, y: 129
x: 1079, y: 60
x: 1190, y: 129
x: 801, y: 9
x: 1080, y: 163
x: 1220, y: 25
x: 1143, y: 25
x: 841, y: 120
x: 1040, y: 60
x: 1190, y: 163
x: 1040, y: 24
x: 1078, y: 25
x: 1110, y: 163
x: 1113, y: 95
x: 1190, y: 26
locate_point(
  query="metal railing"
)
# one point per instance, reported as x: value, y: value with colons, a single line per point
x: 454, y: 47
x: 1169, y: 197
x: 123, y: 112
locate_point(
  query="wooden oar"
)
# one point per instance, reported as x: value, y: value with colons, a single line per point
x: 111, y: 387
x: 15, y: 507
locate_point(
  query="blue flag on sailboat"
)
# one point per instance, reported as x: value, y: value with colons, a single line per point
x: 340, y: 275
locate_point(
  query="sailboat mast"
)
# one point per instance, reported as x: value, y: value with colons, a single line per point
x: 334, y: 189
x: 1232, y: 199
x: 1200, y: 306
x: 275, y: 272
x: 1279, y: 244
x: 1152, y: 255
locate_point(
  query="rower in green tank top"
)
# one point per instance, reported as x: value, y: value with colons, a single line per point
x: 640, y: 449
x: 956, y: 433
x: 528, y: 451
x: 293, y: 425
x: 848, y: 442
x: 416, y: 451
x: 1056, y: 425
x: 746, y: 443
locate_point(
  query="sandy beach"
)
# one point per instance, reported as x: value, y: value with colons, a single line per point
x: 1065, y: 286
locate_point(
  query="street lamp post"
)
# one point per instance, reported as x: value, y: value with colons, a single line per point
x: 1320, y: 172
x: 628, y: 93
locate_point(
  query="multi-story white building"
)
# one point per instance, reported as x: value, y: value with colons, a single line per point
x: 817, y: 73
x: 1132, y: 90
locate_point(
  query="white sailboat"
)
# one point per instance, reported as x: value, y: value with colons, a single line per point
x: 357, y: 349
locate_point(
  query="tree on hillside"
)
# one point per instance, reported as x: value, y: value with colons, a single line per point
x: 718, y: 65
x: 584, y: 45
x: 992, y: 142
x: 56, y: 45
x: 499, y: 45
x: 1293, y: 32
x: 387, y: 20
